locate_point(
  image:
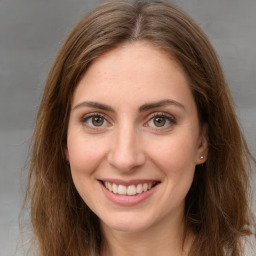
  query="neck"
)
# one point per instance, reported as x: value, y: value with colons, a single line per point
x: 161, y: 240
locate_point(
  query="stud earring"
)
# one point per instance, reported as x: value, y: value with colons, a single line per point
x: 201, y: 157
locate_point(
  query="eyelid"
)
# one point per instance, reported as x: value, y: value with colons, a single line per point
x: 169, y: 117
x: 162, y: 114
x: 85, y: 117
x: 91, y: 114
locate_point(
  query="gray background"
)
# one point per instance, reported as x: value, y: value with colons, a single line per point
x: 31, y: 31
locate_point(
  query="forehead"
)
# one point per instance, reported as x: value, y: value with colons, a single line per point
x: 134, y: 72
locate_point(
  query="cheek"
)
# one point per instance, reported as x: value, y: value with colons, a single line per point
x: 175, y: 158
x: 176, y: 153
x: 85, y: 154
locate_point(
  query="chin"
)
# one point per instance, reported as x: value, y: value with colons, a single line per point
x: 127, y: 224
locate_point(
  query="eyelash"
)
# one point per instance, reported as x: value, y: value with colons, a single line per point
x: 84, y: 120
x: 166, y: 117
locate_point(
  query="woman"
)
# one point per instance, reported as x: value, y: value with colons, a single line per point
x: 136, y: 148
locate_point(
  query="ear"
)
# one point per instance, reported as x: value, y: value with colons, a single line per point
x: 66, y: 153
x: 202, y: 150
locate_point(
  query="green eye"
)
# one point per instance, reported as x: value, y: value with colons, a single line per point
x: 159, y: 121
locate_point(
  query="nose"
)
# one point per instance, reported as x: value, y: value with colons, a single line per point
x: 126, y: 152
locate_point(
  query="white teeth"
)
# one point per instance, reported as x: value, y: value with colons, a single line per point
x: 131, y: 190
x: 145, y: 187
x: 109, y: 187
x: 121, y: 190
x: 128, y: 190
x: 139, y: 188
x: 114, y: 187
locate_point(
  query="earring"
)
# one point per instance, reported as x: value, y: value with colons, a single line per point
x: 201, y: 157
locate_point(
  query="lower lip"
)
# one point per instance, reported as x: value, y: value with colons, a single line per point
x: 126, y: 200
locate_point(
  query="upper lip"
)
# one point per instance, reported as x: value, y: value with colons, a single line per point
x: 129, y: 182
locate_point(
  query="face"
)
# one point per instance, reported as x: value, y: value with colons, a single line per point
x: 134, y: 138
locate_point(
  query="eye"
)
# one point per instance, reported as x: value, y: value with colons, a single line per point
x: 97, y: 120
x: 160, y: 120
x: 94, y: 120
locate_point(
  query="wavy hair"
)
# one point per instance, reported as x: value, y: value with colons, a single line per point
x: 216, y: 206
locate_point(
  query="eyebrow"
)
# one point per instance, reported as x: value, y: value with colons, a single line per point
x: 161, y: 103
x: 94, y: 105
x: 142, y: 108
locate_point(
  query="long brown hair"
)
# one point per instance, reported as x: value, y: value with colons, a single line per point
x: 217, y: 204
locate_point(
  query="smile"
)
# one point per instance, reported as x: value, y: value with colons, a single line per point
x: 130, y: 190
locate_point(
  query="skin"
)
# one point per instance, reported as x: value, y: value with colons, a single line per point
x: 129, y: 146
